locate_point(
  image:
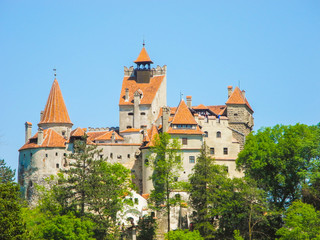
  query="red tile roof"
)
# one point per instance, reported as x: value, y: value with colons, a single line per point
x: 183, y: 115
x: 237, y: 98
x: 152, y: 133
x: 55, y: 110
x: 29, y: 123
x: 218, y: 109
x: 108, y: 136
x: 143, y: 57
x: 149, y: 90
x: 130, y: 130
x: 51, y: 139
x: 201, y: 106
x: 78, y: 132
x: 185, y: 131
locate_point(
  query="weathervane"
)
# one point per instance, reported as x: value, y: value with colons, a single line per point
x: 55, y: 72
x: 181, y: 95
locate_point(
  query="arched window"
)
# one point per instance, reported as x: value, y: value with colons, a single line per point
x: 206, y: 134
x: 218, y: 134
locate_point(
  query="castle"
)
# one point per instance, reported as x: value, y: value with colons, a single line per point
x: 143, y: 112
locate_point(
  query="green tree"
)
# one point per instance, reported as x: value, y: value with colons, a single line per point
x: 183, y: 235
x: 166, y: 164
x: 147, y: 227
x: 11, y: 224
x: 205, y: 182
x: 279, y: 159
x: 93, y: 188
x: 302, y: 221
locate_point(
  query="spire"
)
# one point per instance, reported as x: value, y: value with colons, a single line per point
x: 55, y: 110
x: 143, y: 56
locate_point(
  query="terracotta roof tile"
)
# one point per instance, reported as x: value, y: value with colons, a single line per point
x: 201, y: 106
x: 78, y: 132
x: 184, y: 131
x: 29, y: 123
x: 218, y: 109
x: 143, y: 57
x: 50, y: 139
x: 130, y: 130
x: 153, y: 132
x: 55, y: 110
x: 149, y: 90
x: 108, y: 136
x: 183, y: 115
x: 237, y: 98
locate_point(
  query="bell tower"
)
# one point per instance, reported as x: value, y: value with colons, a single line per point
x: 143, y: 71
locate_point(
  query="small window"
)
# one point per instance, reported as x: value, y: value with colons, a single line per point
x: 184, y: 141
x: 119, y: 156
x: 146, y: 161
x: 130, y: 113
x: 111, y: 155
x: 143, y: 113
x: 143, y: 126
x: 65, y: 154
x: 63, y: 133
x: 46, y: 155
x: 128, y: 127
x: 128, y: 155
x: 30, y: 154
x: 56, y: 154
x: 206, y: 134
x: 225, y: 151
x: 211, y: 150
x: 218, y: 134
x: 57, y: 165
x: 101, y: 156
x: 236, y: 114
x: 177, y: 197
x: 191, y: 159
x: 136, y: 201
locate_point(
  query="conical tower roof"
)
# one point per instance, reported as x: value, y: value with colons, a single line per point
x: 55, y: 110
x: 143, y: 57
x: 183, y: 115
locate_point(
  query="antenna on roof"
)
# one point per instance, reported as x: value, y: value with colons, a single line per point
x: 181, y: 95
x: 55, y: 72
x: 143, y: 43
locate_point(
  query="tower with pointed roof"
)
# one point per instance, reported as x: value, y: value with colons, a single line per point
x: 143, y: 93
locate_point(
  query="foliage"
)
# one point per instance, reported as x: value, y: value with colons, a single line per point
x: 6, y: 173
x: 279, y: 159
x: 311, y: 190
x: 166, y: 165
x: 204, y: 187
x: 183, y: 235
x: 302, y: 221
x: 44, y: 225
x: 93, y: 188
x: 11, y: 225
x: 147, y: 228
x: 236, y: 235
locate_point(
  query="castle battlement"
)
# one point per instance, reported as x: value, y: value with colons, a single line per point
x: 100, y: 129
x: 158, y: 71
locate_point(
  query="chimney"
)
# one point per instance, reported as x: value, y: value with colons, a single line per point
x: 40, y: 136
x: 229, y: 91
x: 126, y: 97
x: 165, y: 118
x: 244, y: 94
x: 41, y: 115
x: 189, y: 101
x: 136, y: 112
x: 28, y: 130
x: 113, y: 137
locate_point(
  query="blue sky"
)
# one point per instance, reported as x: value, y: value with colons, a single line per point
x: 271, y: 47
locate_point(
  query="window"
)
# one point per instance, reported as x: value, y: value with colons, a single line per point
x: 205, y: 134
x: 184, y: 141
x: 146, y: 161
x: 236, y: 114
x: 191, y: 159
x: 111, y: 155
x: 101, y: 156
x: 143, y: 113
x: 56, y: 154
x: 65, y: 154
x: 30, y: 154
x: 129, y: 127
x: 130, y: 113
x: 63, y: 133
x: 136, y: 201
x: 128, y: 156
x: 218, y: 134
x: 225, y: 151
x: 119, y: 156
x: 211, y: 150
x: 57, y: 165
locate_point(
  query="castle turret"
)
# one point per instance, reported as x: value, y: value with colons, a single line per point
x: 239, y: 113
x: 143, y: 70
x: 28, y: 131
x: 55, y: 114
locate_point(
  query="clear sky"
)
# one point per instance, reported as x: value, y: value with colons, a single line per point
x: 272, y: 48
